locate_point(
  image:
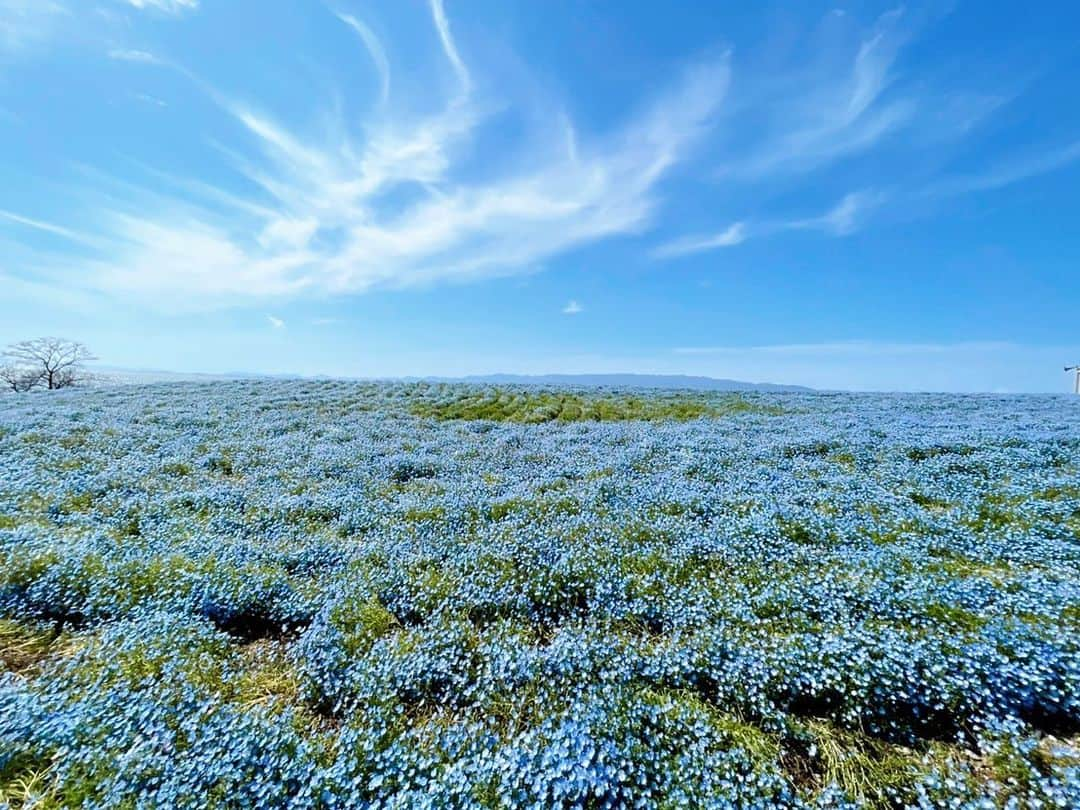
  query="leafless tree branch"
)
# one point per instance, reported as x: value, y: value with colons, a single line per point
x: 49, y: 361
x: 18, y: 378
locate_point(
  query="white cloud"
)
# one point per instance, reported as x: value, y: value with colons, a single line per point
x: 842, y: 219
x: 166, y: 6
x: 323, y: 321
x: 851, y: 213
x: 572, y: 308
x: 331, y: 209
x: 320, y: 225
x: 277, y: 323
x: 45, y: 227
x: 146, y: 98
x: 288, y: 234
x: 133, y: 55
x: 848, y: 215
x: 438, y: 14
x: 1008, y: 172
x: 24, y: 23
x: 816, y: 114
x: 846, y: 100
x: 732, y: 235
x: 374, y: 49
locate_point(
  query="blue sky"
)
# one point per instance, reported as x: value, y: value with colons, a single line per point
x: 843, y: 195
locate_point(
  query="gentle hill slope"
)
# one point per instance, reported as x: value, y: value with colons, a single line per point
x: 632, y: 381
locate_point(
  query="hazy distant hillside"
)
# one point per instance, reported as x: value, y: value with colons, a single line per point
x: 118, y: 375
x: 115, y: 375
x: 106, y: 375
x: 633, y: 381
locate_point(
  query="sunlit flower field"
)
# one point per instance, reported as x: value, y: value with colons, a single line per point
x: 330, y: 594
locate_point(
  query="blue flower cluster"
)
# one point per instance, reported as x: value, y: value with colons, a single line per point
x: 320, y: 594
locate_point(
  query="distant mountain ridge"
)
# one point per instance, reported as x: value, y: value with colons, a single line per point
x: 119, y: 375
x: 677, y: 381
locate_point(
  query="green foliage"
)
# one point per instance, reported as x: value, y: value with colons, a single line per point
x: 1015, y: 766
x: 540, y: 508
x: 363, y: 621
x: 843, y: 458
x: 926, y: 453
x: 193, y: 656
x: 24, y: 646
x: 871, y: 772
x: 423, y: 515
x: 814, y: 449
x: 1057, y: 493
x: 544, y: 406
x: 26, y: 783
x: 950, y: 564
x: 222, y: 463
x: 268, y: 679
x: 801, y: 533
x: 76, y: 503
x: 958, y: 617
x: 312, y: 518
x: 75, y: 439
x: 928, y: 501
x: 763, y: 748
x: 19, y: 567
x: 997, y: 512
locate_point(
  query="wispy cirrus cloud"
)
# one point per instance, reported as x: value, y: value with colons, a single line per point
x: 1007, y: 172
x: 855, y: 104
x: 808, y: 115
x: 840, y: 220
x: 843, y: 218
x: 734, y: 234
x: 805, y: 117
x: 275, y: 322
x: 375, y: 51
x: 134, y: 55
x: 572, y: 307
x: 41, y: 226
x: 146, y: 98
x: 320, y: 224
x: 855, y: 208
x: 323, y: 205
x: 442, y: 25
x: 36, y: 224
x: 175, y: 7
x: 24, y: 23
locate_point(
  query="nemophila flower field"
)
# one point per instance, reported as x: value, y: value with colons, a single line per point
x: 299, y: 594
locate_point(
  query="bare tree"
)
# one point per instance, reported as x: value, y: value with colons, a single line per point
x: 52, y: 362
x: 17, y: 378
